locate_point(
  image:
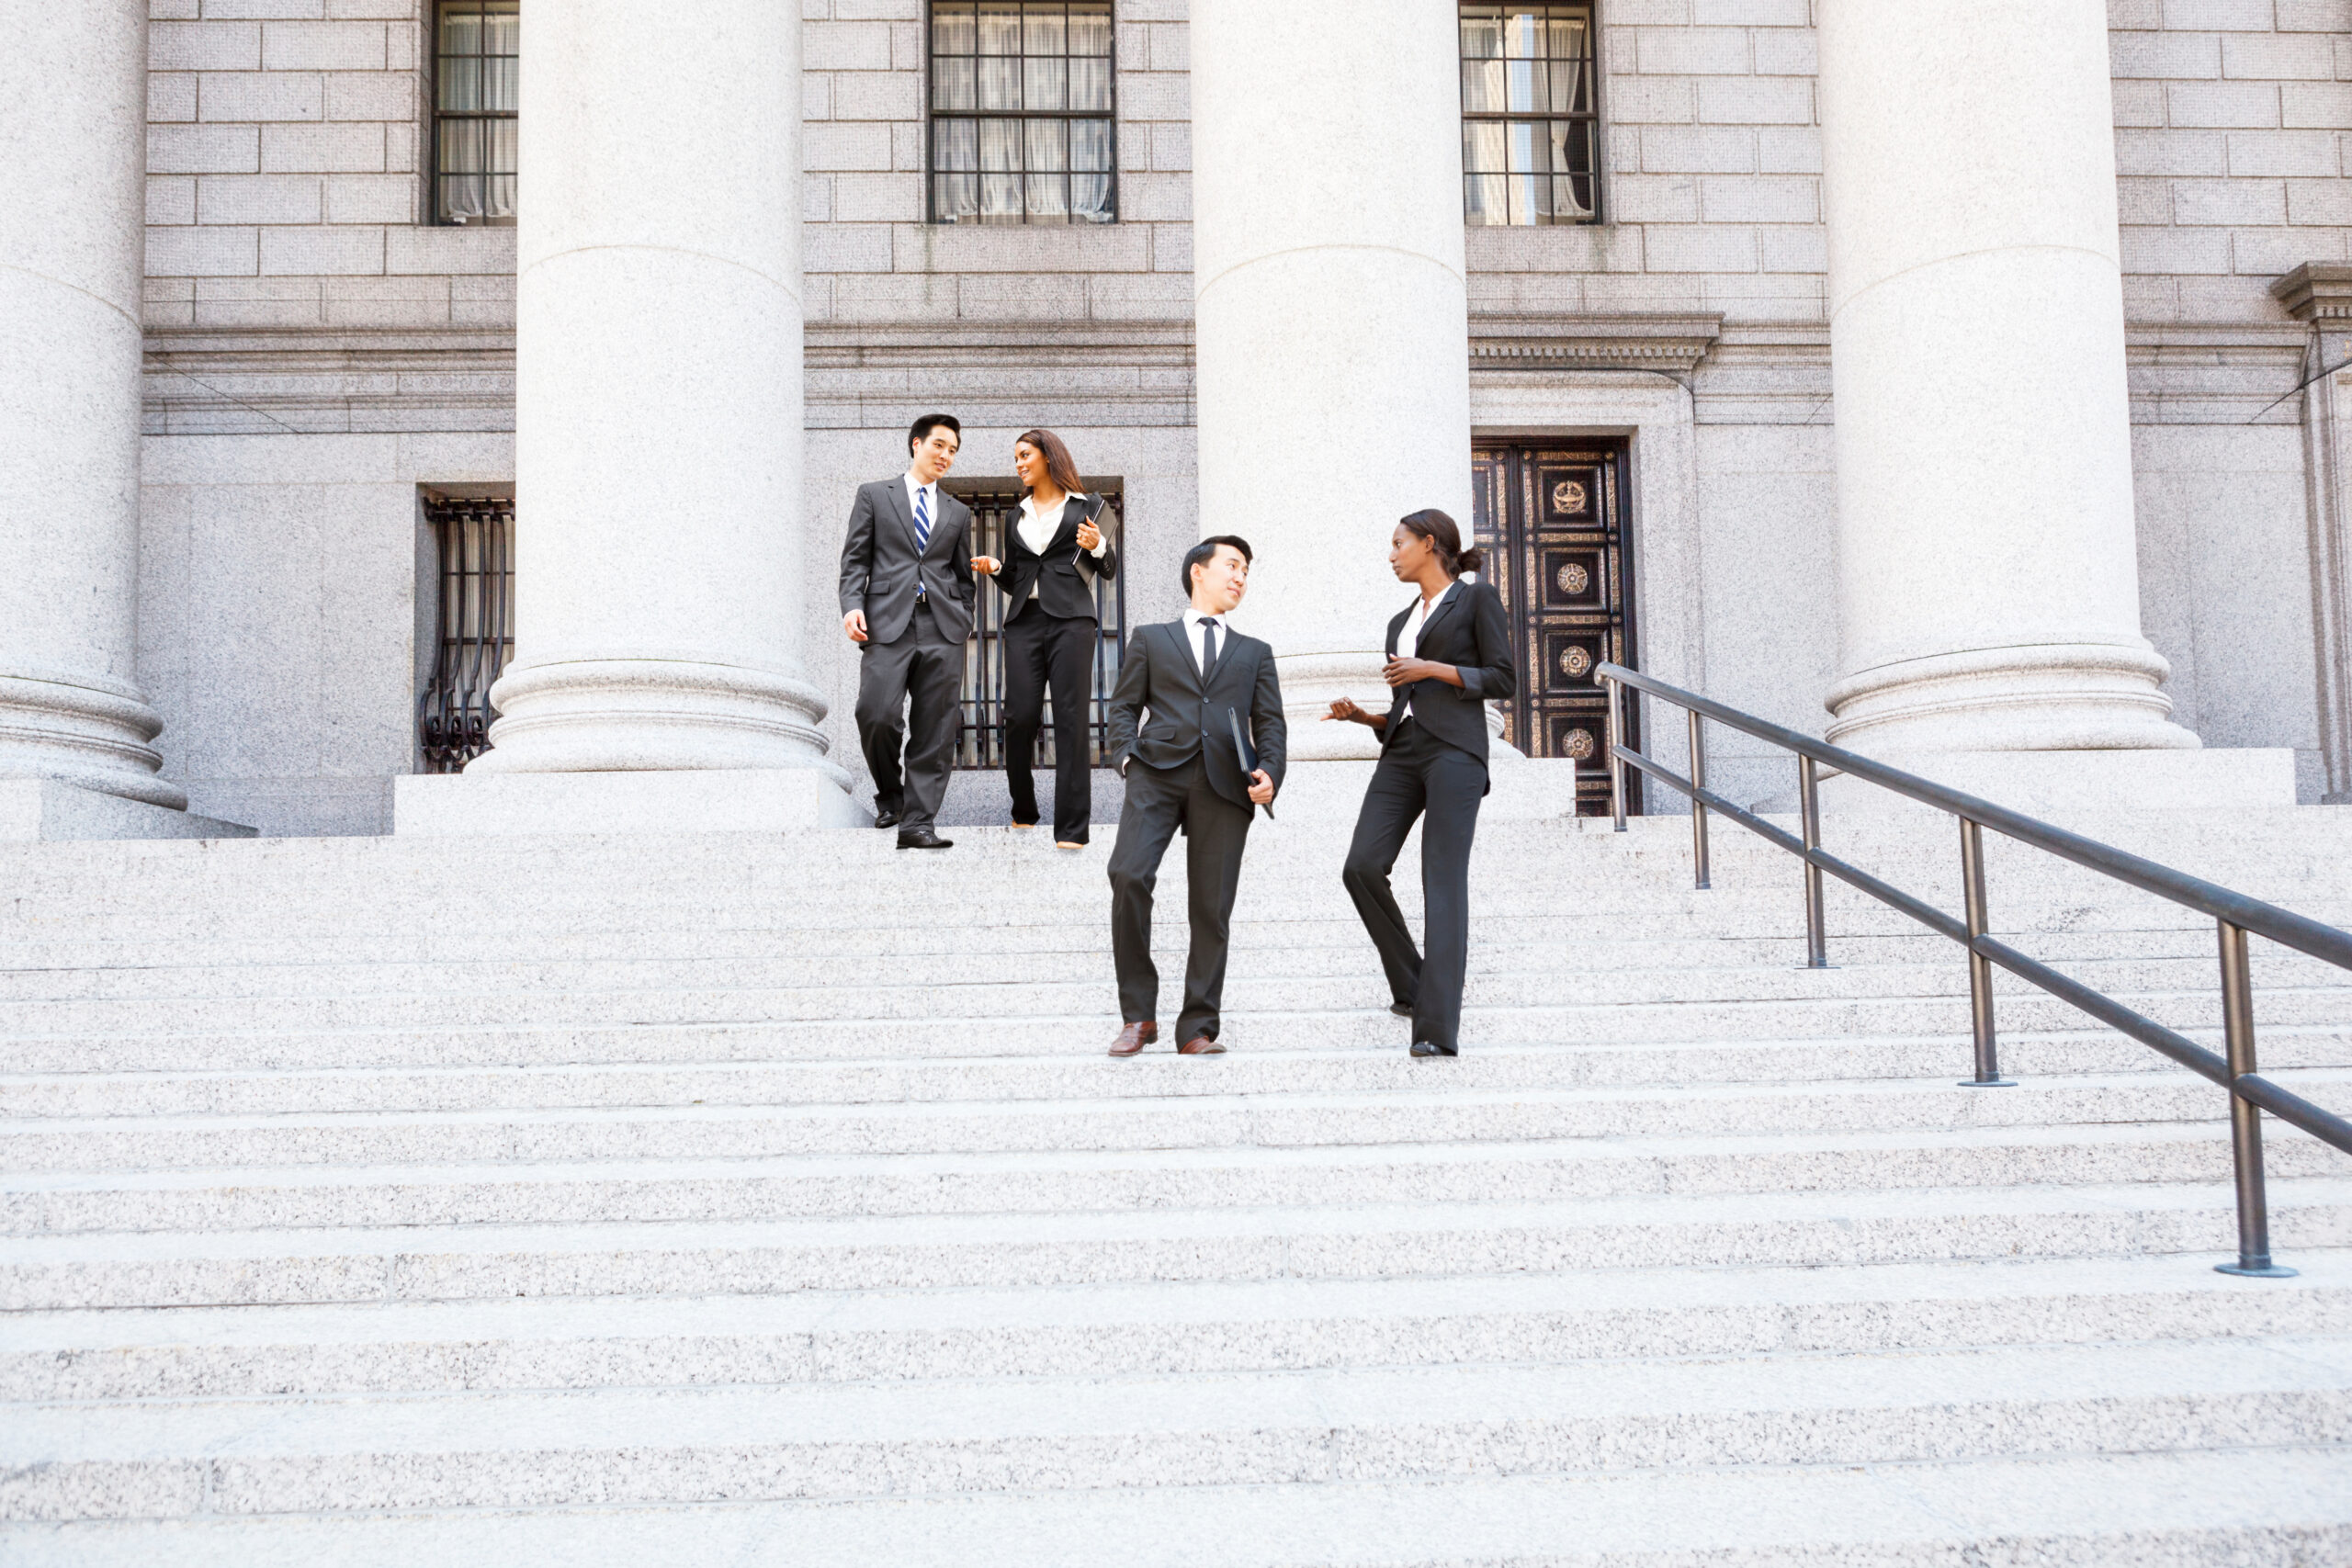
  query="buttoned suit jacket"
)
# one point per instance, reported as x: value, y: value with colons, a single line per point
x: 1063, y: 574
x: 1470, y: 631
x: 1188, y: 710
x: 882, y: 567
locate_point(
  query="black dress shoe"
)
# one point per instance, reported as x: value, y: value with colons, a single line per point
x: 1402, y: 1009
x: 1423, y: 1048
x: 922, y: 838
x: 886, y: 817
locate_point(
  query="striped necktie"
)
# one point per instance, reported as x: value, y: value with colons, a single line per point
x: 922, y: 519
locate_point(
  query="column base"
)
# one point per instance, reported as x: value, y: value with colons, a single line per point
x: 714, y: 800
x: 50, y: 811
x: 2077, y: 790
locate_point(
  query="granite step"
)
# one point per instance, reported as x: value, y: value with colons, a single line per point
x: 1367, y: 1241
x: 742, y: 1443
x: 1297, y: 1119
x: 1152, y: 1329
x: 260, y: 1089
x: 2283, y: 1508
x: 354, y: 1194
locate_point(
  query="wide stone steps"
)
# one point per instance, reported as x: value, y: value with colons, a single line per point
x: 260, y: 1197
x: 2285, y: 1506
x: 771, y: 1197
x: 620, y: 1447
x: 258, y: 1090
x: 1161, y: 1327
x: 1680, y: 969
x: 1368, y: 1241
x: 1296, y: 1120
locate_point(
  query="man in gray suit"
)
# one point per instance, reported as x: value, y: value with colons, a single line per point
x: 907, y: 590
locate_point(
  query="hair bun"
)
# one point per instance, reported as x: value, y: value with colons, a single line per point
x: 1471, y: 560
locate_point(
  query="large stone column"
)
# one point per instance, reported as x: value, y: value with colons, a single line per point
x: 1988, y: 586
x: 72, y: 177
x: 658, y: 585
x: 1332, y: 320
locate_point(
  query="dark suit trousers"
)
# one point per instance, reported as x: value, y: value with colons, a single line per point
x: 1039, y: 647
x: 1159, y: 801
x: 924, y: 665
x: 1419, y: 773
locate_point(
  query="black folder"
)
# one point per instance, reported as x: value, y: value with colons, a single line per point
x: 1247, y: 752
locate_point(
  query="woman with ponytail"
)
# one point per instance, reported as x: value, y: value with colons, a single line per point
x: 1449, y: 655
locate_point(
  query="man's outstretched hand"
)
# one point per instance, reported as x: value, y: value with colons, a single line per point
x: 1261, y: 787
x: 854, y: 623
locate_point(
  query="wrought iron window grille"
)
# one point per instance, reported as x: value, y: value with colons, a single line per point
x: 1531, y: 115
x: 1023, y: 126
x: 995, y: 509
x: 477, y: 49
x: 472, y: 628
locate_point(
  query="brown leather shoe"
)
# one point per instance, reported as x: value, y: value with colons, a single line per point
x: 1133, y: 1038
x: 1200, y: 1046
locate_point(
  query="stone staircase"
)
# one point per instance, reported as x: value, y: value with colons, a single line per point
x: 726, y: 1197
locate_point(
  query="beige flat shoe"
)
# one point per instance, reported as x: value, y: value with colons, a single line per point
x: 1065, y: 844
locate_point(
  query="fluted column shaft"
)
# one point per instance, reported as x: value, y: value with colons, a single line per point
x: 72, y: 175
x: 1332, y: 318
x: 658, y: 461
x: 1988, y: 588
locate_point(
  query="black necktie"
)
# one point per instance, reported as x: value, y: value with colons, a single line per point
x: 1208, y: 645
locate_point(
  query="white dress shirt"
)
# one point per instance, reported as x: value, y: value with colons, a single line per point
x: 930, y: 494
x: 1408, y: 645
x: 1039, y: 524
x: 1200, y: 637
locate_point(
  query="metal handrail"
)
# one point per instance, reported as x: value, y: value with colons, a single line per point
x: 2234, y: 915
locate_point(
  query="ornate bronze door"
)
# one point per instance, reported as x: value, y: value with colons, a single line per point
x: 1551, y: 517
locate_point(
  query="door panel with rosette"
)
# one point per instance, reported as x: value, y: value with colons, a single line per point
x: 1551, y: 517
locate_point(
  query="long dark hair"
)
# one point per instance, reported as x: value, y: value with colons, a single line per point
x: 1446, y: 535
x: 1060, y: 466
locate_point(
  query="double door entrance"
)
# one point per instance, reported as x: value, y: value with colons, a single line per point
x: 1551, y: 517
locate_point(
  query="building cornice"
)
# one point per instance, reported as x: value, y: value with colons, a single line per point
x: 2317, y: 291
x: 1592, y: 342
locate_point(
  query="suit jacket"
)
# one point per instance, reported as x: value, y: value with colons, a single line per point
x: 1063, y: 575
x: 881, y: 568
x: 1159, y: 673
x: 1472, y: 632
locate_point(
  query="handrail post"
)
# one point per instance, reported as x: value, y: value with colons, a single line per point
x: 1980, y: 968
x: 2246, y: 1117
x: 1616, y: 764
x: 1698, y: 812
x: 1816, y: 934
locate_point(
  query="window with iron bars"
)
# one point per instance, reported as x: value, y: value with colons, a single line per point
x: 1022, y: 123
x: 476, y: 59
x: 471, y: 603
x: 1531, y: 118
x: 995, y: 509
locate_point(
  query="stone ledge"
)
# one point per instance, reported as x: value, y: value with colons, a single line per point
x: 50, y: 811
x: 714, y: 800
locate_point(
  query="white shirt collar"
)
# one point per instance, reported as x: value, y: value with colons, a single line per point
x: 915, y: 485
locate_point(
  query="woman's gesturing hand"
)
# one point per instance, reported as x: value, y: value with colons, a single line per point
x: 1089, y: 537
x: 985, y: 565
x: 1345, y: 708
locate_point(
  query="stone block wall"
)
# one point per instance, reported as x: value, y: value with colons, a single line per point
x: 284, y: 142
x: 2233, y: 120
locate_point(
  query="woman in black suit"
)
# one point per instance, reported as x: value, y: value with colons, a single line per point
x: 1054, y: 552
x: 1449, y: 655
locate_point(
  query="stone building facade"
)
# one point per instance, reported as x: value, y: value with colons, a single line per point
x: 322, y: 358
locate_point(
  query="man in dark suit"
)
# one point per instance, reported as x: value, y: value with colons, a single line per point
x: 1184, y: 770
x: 907, y: 590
